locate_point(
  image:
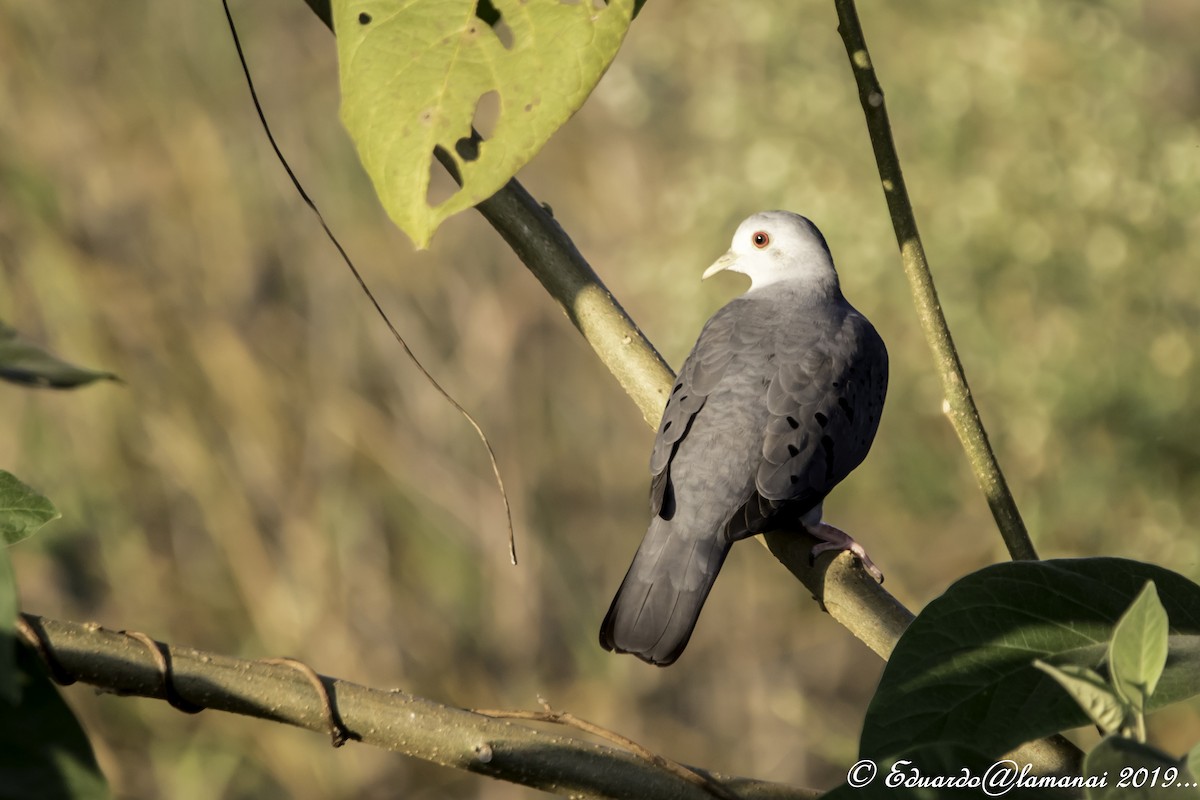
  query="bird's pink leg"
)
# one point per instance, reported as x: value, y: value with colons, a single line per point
x: 835, y: 539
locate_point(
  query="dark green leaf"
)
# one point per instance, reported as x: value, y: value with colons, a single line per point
x: 23, y: 362
x: 44, y: 753
x: 1138, y: 650
x: 22, y: 510
x: 963, y: 671
x: 1133, y: 771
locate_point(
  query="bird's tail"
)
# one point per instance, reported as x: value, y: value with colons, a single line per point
x: 660, y: 599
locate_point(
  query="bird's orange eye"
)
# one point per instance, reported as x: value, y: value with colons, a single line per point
x: 761, y: 239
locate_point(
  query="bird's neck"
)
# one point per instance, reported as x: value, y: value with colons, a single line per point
x: 819, y: 288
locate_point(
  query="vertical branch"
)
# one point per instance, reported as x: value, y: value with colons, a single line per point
x: 959, y: 405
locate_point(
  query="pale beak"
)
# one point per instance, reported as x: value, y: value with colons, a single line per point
x: 720, y: 265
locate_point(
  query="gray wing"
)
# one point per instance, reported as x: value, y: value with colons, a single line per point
x: 699, y: 376
x: 825, y: 403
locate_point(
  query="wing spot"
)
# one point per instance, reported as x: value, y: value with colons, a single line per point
x: 846, y: 409
x: 793, y: 451
x: 795, y: 479
x: 678, y: 386
x: 792, y: 421
x: 667, y: 510
x: 821, y: 419
x: 667, y: 425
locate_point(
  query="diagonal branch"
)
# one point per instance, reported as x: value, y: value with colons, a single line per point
x: 960, y: 405
x: 394, y: 720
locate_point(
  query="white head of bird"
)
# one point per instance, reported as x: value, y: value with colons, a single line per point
x: 773, y: 247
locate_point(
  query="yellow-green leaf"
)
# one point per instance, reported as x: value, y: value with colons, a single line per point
x: 1138, y: 650
x: 414, y: 71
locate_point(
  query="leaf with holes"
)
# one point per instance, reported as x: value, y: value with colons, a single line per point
x: 414, y: 75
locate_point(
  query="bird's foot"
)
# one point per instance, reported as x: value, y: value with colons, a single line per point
x: 835, y: 539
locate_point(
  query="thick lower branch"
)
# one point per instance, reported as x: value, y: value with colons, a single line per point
x: 452, y: 737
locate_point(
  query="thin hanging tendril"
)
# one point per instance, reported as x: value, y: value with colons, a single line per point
x: 237, y: 43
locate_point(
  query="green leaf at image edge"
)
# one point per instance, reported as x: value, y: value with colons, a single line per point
x: 10, y: 685
x: 25, y: 363
x: 44, y: 752
x: 963, y: 671
x: 23, y: 511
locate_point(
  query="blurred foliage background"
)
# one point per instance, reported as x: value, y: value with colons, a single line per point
x: 274, y: 477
